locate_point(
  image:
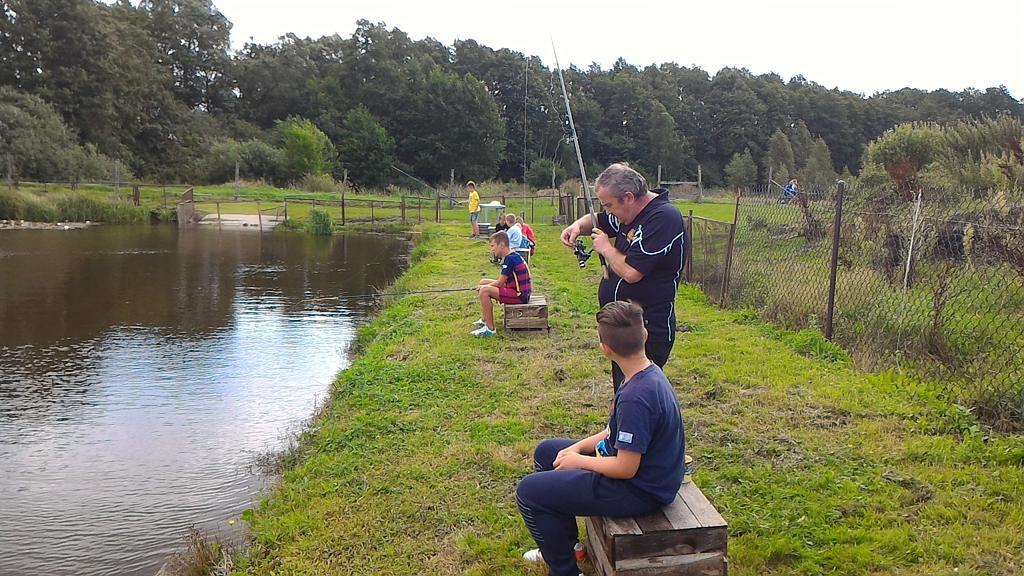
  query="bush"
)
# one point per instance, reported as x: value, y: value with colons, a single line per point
x: 78, y: 208
x: 307, y: 150
x: 256, y: 160
x: 318, y: 183
x: 320, y: 222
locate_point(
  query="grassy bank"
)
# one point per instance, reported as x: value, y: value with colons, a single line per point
x: 66, y: 206
x: 360, y: 208
x: 818, y: 469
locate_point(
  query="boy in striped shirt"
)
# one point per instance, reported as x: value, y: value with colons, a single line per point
x: 511, y: 287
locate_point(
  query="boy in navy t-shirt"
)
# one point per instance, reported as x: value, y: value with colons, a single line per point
x: 513, y: 286
x: 632, y: 467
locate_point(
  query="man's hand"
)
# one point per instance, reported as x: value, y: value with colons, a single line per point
x: 569, y: 235
x: 569, y: 460
x: 601, y: 241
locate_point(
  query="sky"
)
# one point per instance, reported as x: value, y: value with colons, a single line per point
x: 866, y: 46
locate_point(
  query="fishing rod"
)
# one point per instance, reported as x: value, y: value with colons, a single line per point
x: 582, y: 254
x: 383, y: 294
x: 427, y: 186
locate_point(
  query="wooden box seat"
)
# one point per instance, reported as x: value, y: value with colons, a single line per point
x: 530, y: 316
x: 687, y: 537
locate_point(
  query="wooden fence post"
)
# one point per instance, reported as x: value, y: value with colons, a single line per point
x: 403, y: 208
x: 259, y: 215
x: 342, y: 206
x: 371, y: 213
x: 834, y: 265
x: 218, y: 215
x: 286, y: 209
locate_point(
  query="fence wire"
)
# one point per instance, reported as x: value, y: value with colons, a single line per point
x: 708, y: 255
x: 930, y: 282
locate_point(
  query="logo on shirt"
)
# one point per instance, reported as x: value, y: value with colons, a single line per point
x: 630, y: 235
x: 625, y: 437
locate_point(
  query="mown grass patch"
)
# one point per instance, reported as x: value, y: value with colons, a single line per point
x: 819, y: 469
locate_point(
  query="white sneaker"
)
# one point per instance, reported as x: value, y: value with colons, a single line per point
x: 535, y: 556
x: 480, y: 323
x: 483, y: 331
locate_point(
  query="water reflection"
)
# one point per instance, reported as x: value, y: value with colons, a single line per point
x: 139, y: 370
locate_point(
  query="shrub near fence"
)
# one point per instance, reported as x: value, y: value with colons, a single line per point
x: 933, y: 283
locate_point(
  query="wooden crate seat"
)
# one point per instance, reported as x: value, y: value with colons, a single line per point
x: 530, y: 316
x: 687, y: 537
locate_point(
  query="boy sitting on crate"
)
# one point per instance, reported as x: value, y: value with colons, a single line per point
x: 512, y: 286
x: 632, y: 467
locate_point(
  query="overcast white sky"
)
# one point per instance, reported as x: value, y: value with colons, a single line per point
x: 864, y: 45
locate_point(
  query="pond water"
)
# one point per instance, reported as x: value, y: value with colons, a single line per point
x: 143, y: 370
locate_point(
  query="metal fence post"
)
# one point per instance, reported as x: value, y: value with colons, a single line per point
x: 688, y: 271
x: 724, y: 300
x: 834, y: 266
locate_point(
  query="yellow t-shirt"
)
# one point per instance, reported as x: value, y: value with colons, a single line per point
x: 474, y: 201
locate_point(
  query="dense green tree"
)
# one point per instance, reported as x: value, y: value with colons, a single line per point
x: 735, y: 116
x: 365, y: 149
x: 192, y: 43
x: 155, y: 86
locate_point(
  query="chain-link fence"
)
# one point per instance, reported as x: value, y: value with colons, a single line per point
x: 708, y: 250
x: 931, y: 282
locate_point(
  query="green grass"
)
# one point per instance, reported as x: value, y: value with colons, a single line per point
x: 819, y: 469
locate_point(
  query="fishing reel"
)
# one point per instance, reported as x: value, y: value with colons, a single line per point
x: 582, y: 254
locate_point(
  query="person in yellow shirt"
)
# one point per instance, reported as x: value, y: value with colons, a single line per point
x: 474, y: 207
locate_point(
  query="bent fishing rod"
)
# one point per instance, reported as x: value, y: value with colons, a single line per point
x: 582, y: 254
x: 384, y: 294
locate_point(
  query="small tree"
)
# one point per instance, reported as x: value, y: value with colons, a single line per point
x: 365, y: 149
x: 818, y: 173
x: 780, y: 157
x: 539, y: 174
x: 741, y: 172
x: 307, y: 150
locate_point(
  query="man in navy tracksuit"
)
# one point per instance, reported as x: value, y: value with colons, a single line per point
x: 632, y: 467
x: 641, y: 236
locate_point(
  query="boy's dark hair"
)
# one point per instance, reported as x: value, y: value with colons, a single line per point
x: 500, y: 237
x: 620, y: 325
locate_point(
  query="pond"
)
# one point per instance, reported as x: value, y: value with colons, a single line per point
x: 143, y: 370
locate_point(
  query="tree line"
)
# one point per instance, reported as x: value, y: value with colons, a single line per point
x: 156, y: 87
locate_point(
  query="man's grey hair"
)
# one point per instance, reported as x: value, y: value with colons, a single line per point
x: 620, y: 179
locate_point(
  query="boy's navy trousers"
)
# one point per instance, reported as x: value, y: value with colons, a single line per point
x: 550, y: 500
